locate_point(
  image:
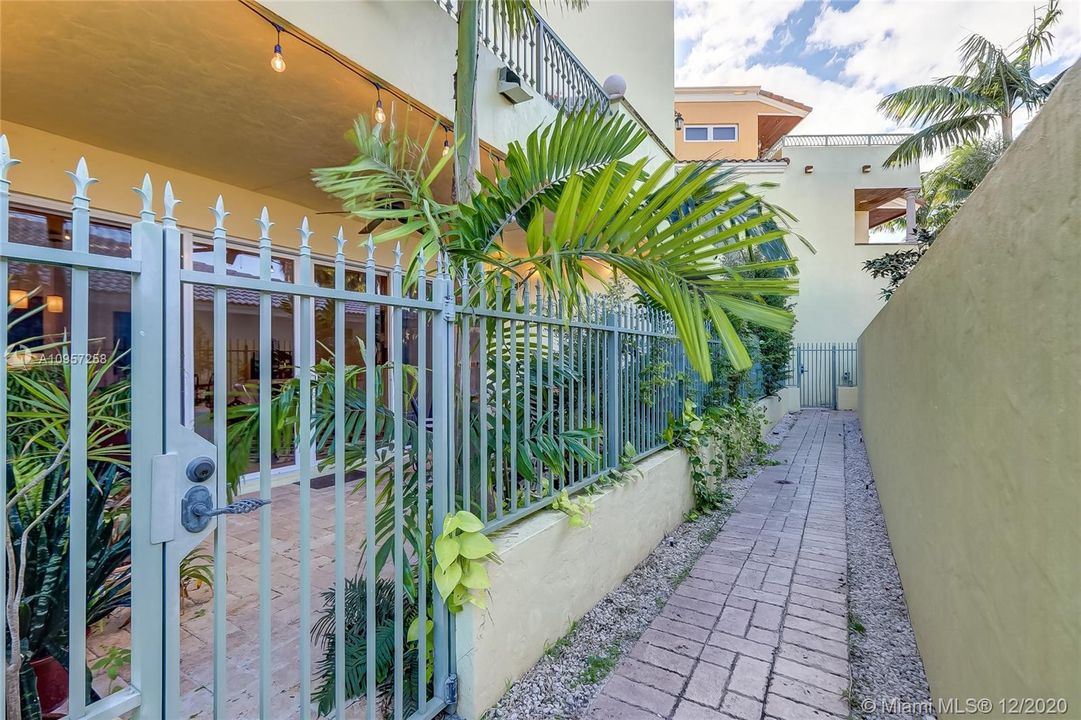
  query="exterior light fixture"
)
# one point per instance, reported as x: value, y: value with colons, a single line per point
x: 446, y: 141
x: 277, y: 61
x: 866, y: 169
x: 679, y: 120
x: 380, y: 114
x: 808, y: 169
x: 54, y: 303
x: 19, y: 299
x: 615, y: 87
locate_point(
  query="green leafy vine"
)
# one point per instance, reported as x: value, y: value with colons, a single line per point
x: 461, y: 552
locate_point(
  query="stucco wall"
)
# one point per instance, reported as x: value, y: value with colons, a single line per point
x: 836, y: 297
x: 412, y: 45
x: 726, y: 112
x: 552, y: 574
x: 632, y: 38
x: 971, y: 410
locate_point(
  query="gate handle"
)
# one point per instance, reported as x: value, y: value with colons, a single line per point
x: 197, y: 508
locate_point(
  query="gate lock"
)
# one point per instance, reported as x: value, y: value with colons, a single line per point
x: 197, y: 508
x: 200, y: 469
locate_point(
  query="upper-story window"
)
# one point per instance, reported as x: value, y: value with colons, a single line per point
x: 711, y: 133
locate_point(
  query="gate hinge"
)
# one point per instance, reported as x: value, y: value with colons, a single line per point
x: 450, y: 693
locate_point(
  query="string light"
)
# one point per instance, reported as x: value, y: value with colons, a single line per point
x: 380, y: 114
x: 277, y: 61
x: 446, y: 141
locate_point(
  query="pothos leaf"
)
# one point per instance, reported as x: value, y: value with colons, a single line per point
x: 468, y: 522
x: 475, y: 577
x: 446, y: 551
x: 446, y: 581
x: 474, y: 545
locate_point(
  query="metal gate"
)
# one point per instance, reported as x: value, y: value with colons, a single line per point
x: 819, y: 368
x: 295, y: 632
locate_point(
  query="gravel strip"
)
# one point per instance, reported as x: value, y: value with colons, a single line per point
x: 564, y: 681
x: 885, y: 663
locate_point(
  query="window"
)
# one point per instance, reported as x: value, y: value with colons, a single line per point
x: 711, y: 133
x: 39, y: 295
x: 696, y: 133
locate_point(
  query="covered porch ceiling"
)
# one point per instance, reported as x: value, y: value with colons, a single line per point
x: 189, y: 85
x: 772, y: 128
x: 882, y: 204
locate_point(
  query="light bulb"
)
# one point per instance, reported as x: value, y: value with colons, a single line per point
x: 446, y: 148
x: 380, y: 114
x: 278, y: 62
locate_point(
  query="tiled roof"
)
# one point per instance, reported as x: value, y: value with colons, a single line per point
x: 782, y: 98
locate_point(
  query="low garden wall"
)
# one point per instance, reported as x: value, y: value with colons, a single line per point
x: 552, y: 574
x: 970, y: 401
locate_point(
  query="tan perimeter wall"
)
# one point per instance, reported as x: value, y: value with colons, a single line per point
x: 971, y: 410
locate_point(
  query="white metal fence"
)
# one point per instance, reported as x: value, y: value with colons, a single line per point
x: 498, y: 399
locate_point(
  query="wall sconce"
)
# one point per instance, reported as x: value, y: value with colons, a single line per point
x: 679, y: 120
x: 866, y: 169
x: 19, y: 299
x: 54, y: 303
x: 808, y: 169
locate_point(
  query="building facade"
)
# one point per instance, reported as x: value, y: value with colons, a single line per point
x: 835, y: 187
x: 234, y: 104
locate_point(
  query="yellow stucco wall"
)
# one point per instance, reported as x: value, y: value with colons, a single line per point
x: 728, y: 112
x: 971, y: 408
x: 552, y: 574
x: 837, y: 299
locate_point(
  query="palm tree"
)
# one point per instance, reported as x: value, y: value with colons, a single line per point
x: 467, y: 149
x: 994, y: 83
x: 571, y: 195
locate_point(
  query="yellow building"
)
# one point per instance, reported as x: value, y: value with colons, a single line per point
x: 732, y: 123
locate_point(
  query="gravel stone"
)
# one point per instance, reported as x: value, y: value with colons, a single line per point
x: 884, y: 660
x: 554, y: 687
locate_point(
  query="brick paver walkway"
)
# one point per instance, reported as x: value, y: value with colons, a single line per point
x: 759, y: 628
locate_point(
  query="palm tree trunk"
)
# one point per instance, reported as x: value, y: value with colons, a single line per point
x: 1007, y: 128
x: 467, y: 152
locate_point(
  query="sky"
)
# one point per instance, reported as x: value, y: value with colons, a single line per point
x: 842, y: 56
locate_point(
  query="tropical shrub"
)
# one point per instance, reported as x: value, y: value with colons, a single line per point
x: 679, y: 233
x: 718, y: 442
x: 38, y: 511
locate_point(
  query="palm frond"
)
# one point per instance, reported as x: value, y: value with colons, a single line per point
x: 687, y: 259
x: 1039, y: 39
x: 991, y: 84
x: 933, y: 103
x: 939, y: 137
x: 574, y: 144
x: 390, y: 180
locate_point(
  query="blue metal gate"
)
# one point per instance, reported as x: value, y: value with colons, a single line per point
x: 818, y: 369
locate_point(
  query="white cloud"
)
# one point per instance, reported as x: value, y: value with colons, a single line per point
x: 882, y: 45
x: 895, y: 44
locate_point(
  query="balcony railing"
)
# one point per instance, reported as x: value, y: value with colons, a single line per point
x: 841, y: 140
x: 538, y: 56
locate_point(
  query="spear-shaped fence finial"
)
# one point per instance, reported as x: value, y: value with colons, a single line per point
x: 146, y: 195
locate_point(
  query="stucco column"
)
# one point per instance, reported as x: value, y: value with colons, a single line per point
x: 910, y: 215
